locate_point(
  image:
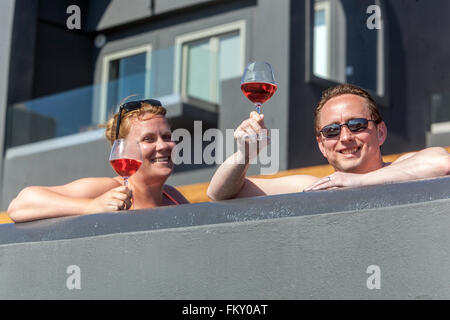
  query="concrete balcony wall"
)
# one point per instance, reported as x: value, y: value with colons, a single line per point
x: 297, y: 246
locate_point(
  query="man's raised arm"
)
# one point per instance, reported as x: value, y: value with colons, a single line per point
x: 229, y: 178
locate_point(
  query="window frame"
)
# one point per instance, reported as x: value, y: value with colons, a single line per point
x: 99, y: 114
x: 381, y: 95
x: 181, y: 52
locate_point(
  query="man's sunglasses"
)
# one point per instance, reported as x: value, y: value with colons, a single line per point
x: 354, y: 125
x: 134, y: 105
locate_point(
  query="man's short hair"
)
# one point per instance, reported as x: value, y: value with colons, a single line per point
x: 341, y: 90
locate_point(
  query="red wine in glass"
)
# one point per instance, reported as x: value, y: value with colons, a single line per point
x: 258, y: 92
x: 125, y: 158
x: 125, y: 167
x: 258, y: 83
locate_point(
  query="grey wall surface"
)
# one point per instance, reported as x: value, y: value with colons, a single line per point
x: 298, y: 246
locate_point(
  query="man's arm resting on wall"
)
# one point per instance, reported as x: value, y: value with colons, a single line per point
x: 428, y: 163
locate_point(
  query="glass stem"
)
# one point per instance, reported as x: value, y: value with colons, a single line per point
x: 258, y: 107
x: 126, y: 184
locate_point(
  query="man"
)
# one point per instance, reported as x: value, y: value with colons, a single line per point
x: 349, y: 132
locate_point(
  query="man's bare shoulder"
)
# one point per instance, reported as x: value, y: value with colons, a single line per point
x: 287, y: 184
x: 299, y: 181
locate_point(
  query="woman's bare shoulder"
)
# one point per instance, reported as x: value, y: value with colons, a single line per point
x: 96, y: 181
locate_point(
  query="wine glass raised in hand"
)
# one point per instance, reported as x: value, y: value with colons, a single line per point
x: 258, y: 83
x: 125, y: 158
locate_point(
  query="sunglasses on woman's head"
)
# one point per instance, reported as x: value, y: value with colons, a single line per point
x: 354, y: 125
x: 134, y: 105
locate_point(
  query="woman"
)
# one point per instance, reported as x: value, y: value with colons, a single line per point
x: 143, y: 121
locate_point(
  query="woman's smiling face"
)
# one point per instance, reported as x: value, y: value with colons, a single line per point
x: 155, y: 138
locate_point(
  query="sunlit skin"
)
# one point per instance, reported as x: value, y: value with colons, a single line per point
x: 352, y: 152
x: 155, y: 138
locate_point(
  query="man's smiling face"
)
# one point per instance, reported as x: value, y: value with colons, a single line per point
x: 353, y: 152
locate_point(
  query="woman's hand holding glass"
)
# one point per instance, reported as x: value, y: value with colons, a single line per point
x: 126, y: 159
x: 116, y: 199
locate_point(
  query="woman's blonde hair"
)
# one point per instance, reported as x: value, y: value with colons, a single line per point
x: 127, y: 117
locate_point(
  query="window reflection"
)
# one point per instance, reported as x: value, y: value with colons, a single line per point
x: 210, y: 61
x: 124, y: 73
x: 321, y: 40
x: 126, y: 76
x: 345, y: 50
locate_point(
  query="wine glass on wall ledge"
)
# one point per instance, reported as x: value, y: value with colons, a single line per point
x: 125, y: 158
x: 258, y: 83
